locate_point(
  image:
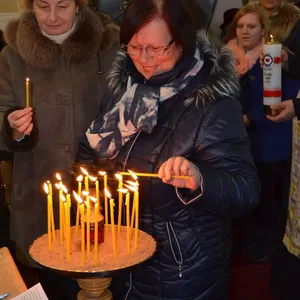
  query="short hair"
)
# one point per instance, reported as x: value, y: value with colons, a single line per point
x: 27, y: 4
x: 174, y: 12
x: 250, y: 8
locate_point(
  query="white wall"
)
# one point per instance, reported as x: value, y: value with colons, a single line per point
x: 6, y: 17
x: 217, y: 19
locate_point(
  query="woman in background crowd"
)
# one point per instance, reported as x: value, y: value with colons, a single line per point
x: 65, y: 49
x: 270, y: 142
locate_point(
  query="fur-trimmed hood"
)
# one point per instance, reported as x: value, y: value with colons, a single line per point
x: 221, y: 82
x: 95, y: 32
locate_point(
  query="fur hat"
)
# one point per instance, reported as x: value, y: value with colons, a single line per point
x: 27, y: 4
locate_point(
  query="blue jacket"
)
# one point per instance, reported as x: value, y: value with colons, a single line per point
x: 205, y: 125
x: 270, y: 142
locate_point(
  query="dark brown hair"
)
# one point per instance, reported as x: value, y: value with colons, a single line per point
x: 174, y: 12
x: 27, y: 4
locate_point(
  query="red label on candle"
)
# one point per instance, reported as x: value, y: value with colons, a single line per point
x: 277, y: 60
x: 276, y: 93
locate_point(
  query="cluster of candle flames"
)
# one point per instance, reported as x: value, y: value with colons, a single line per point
x: 84, y: 212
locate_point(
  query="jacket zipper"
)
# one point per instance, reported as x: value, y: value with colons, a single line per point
x: 180, y: 260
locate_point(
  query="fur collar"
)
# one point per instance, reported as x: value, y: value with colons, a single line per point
x: 94, y: 32
x: 222, y: 82
x: 282, y: 22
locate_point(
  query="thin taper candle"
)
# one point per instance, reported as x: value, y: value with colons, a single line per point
x: 113, y: 229
x: 27, y: 92
x: 82, y: 235
x: 152, y: 175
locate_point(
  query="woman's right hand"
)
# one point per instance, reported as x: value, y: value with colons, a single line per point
x: 21, y: 122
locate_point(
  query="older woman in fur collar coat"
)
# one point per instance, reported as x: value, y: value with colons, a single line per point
x: 65, y: 49
x: 172, y: 109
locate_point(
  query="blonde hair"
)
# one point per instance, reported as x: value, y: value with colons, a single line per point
x: 254, y: 8
x: 27, y: 4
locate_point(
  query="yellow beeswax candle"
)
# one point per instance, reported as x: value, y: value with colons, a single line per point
x: 120, y: 187
x: 27, y: 84
x: 127, y: 203
x: 48, y: 217
x: 82, y: 235
x: 88, y: 226
x: 79, y: 180
x: 113, y: 229
x: 61, y: 208
x: 105, y: 199
x: 96, y: 231
x: 97, y: 192
x: 68, y: 222
x: 81, y: 207
x: 51, y: 208
x: 86, y: 179
x: 136, y: 232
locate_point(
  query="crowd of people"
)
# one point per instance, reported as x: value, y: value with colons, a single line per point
x: 149, y: 90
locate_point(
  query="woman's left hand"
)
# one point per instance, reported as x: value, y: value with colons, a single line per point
x: 180, y: 166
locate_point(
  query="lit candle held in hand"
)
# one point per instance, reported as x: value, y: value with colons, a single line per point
x: 272, y: 71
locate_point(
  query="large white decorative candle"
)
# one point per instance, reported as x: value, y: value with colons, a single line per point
x: 272, y: 70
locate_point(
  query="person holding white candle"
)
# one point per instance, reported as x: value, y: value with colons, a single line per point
x: 270, y: 143
x: 171, y: 108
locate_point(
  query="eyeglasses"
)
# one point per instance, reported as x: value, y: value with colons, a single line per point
x: 150, y: 50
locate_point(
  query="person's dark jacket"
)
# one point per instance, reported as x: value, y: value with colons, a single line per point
x: 66, y: 81
x: 270, y: 142
x: 205, y: 125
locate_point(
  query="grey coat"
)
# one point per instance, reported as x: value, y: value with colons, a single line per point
x: 67, y: 83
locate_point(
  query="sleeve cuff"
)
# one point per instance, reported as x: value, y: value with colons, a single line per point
x: 187, y: 196
x: 20, y: 139
x: 23, y: 144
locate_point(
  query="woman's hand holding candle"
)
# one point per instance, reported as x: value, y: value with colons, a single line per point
x: 180, y: 166
x: 21, y: 122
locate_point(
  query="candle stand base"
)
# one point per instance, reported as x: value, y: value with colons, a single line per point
x: 94, y: 289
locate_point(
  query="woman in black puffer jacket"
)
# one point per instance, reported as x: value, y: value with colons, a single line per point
x: 171, y: 108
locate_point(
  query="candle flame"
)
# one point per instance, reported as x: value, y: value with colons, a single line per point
x: 46, y: 188
x: 92, y: 178
x: 93, y: 199
x: 79, y: 178
x: 27, y: 79
x: 112, y: 204
x: 134, y: 184
x: 84, y: 171
x: 85, y: 193
x: 119, y: 176
x: 77, y: 197
x: 133, y: 175
x: 57, y: 185
x: 102, y: 173
x: 131, y: 188
x: 65, y: 190
x: 63, y: 198
x: 107, y: 193
x: 58, y: 177
x: 124, y: 191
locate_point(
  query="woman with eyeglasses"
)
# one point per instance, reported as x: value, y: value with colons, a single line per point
x: 171, y: 108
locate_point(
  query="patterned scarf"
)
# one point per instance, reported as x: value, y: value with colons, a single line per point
x: 136, y: 111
